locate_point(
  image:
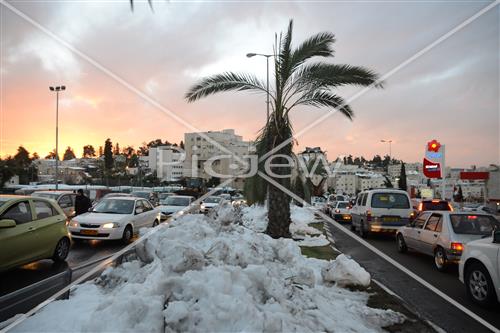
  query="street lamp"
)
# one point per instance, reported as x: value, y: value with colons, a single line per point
x: 267, y: 56
x: 57, y: 89
x: 390, y: 148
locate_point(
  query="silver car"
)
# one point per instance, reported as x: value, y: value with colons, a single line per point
x: 442, y: 234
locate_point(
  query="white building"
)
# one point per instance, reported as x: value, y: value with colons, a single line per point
x: 370, y: 181
x: 203, y: 155
x: 166, y: 161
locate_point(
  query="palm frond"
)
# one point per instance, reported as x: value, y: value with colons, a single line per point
x: 224, y: 82
x: 319, y: 45
x: 284, y: 57
x: 335, y: 75
x: 323, y: 98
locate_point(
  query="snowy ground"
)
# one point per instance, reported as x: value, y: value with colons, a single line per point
x: 216, y: 274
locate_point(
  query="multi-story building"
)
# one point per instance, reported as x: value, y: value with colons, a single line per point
x: 370, y: 181
x: 394, y: 170
x: 203, y: 155
x: 166, y: 161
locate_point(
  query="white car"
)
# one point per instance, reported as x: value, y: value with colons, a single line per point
x: 341, y: 212
x: 383, y: 210
x: 443, y: 234
x: 114, y: 218
x: 479, y: 270
x: 179, y: 204
x: 210, y: 203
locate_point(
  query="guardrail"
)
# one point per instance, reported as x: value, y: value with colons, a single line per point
x: 23, y: 300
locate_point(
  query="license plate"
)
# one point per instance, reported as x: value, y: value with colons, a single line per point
x: 88, y: 232
x: 346, y: 217
x: 391, y: 219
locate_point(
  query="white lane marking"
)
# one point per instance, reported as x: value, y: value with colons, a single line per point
x: 416, y: 277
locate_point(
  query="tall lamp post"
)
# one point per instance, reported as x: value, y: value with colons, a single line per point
x: 390, y: 148
x: 267, y: 56
x: 57, y: 89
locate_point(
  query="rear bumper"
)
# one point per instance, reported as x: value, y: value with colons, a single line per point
x: 384, y: 228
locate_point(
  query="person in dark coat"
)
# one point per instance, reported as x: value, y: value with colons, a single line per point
x: 82, y: 203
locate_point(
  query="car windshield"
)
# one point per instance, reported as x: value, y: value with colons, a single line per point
x: 212, y: 200
x: 435, y: 205
x: 390, y: 200
x: 45, y: 195
x: 473, y: 224
x: 163, y: 196
x: 177, y: 201
x: 144, y: 195
x: 342, y: 204
x: 114, y: 206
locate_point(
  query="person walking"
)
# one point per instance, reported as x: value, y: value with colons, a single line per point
x: 82, y: 203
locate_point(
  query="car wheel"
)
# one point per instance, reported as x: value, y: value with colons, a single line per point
x: 479, y: 286
x: 402, y: 248
x: 155, y: 223
x: 62, y: 250
x: 440, y: 260
x: 127, y: 235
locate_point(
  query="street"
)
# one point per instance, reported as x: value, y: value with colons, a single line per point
x: 80, y: 255
x: 414, y: 294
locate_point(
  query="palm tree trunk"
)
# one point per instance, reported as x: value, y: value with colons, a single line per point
x: 279, y: 201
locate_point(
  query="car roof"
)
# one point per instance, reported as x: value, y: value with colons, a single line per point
x: 181, y: 196
x: 6, y: 197
x: 55, y: 192
x: 385, y: 190
x: 124, y: 198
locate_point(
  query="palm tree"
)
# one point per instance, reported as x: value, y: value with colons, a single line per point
x: 296, y: 83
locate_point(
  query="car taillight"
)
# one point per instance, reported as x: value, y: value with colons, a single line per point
x: 368, y: 216
x: 420, y: 207
x: 451, y: 208
x: 412, y: 215
x: 459, y: 247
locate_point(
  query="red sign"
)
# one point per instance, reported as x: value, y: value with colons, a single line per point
x: 474, y: 175
x: 432, y: 169
x: 433, y: 145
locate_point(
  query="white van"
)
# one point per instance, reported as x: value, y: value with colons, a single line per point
x: 382, y: 210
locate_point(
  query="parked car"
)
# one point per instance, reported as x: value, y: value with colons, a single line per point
x: 443, y: 234
x: 381, y: 210
x: 434, y: 204
x: 181, y: 204
x: 65, y: 199
x: 479, y: 270
x: 115, y: 218
x: 31, y: 228
x: 162, y: 196
x: 342, y: 212
x: 210, y: 203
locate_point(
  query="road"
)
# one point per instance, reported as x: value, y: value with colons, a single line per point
x: 417, y: 296
x: 80, y: 254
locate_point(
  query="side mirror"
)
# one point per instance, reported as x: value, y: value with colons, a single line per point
x: 496, y: 236
x: 139, y: 210
x: 7, y: 223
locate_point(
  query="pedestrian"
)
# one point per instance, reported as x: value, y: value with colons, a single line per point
x: 82, y: 203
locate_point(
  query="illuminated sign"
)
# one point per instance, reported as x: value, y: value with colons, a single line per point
x: 434, y: 159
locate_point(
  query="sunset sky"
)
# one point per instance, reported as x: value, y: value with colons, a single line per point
x: 450, y: 93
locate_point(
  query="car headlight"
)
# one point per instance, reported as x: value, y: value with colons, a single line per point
x: 110, y: 225
x: 202, y: 206
x: 181, y: 212
x: 73, y: 224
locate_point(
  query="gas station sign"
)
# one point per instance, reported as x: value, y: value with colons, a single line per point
x: 433, y: 166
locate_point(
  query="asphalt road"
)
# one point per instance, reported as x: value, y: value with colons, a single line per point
x: 80, y: 254
x: 417, y: 296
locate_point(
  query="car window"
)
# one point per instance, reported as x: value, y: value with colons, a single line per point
x: 20, y: 212
x: 342, y: 204
x: 147, y: 205
x: 139, y: 204
x: 439, y: 226
x: 363, y: 202
x: 436, y: 205
x: 420, y: 221
x: 358, y: 201
x: 390, y: 200
x: 44, y: 209
x: 433, y: 222
x: 65, y: 201
x: 473, y: 224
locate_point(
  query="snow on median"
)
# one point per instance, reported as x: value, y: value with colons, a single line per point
x: 205, y: 274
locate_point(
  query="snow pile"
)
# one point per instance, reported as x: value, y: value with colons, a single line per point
x: 255, y: 218
x: 203, y: 274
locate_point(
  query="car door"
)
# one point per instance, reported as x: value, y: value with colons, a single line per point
x: 430, y: 234
x: 18, y: 245
x: 47, y: 221
x: 138, y: 219
x: 414, y: 229
x: 149, y: 213
x: 66, y: 204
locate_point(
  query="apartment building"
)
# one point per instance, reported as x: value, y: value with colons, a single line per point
x: 167, y: 161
